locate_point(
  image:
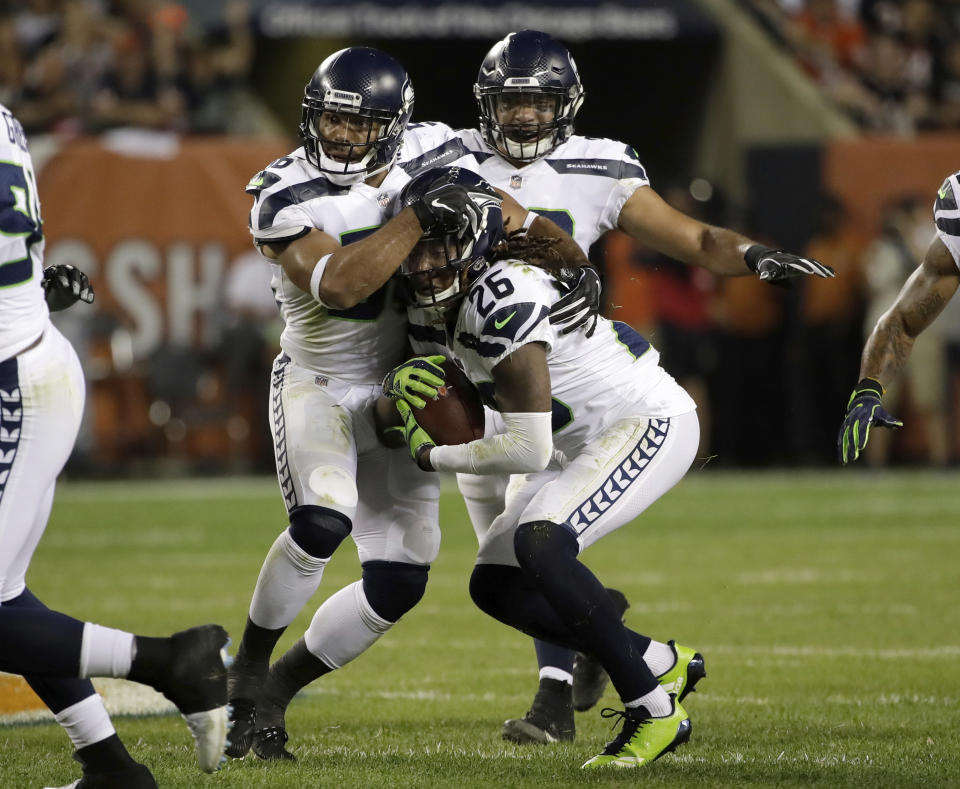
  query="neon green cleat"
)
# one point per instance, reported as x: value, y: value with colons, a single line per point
x: 688, y: 669
x: 643, y: 739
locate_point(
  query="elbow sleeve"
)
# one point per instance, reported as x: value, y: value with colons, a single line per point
x: 527, y: 445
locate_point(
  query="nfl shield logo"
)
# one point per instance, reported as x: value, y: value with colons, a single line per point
x: 516, y: 181
x: 383, y: 199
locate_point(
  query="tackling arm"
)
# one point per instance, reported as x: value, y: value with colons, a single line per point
x: 920, y: 301
x: 352, y: 273
x: 514, y: 218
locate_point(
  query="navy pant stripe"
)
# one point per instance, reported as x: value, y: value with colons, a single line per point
x: 11, y: 418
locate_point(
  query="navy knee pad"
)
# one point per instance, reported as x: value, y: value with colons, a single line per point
x: 542, y: 542
x: 393, y: 588
x: 318, y: 530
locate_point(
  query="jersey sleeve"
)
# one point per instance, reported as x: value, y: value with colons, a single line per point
x: 278, y: 213
x: 508, y: 308
x: 630, y: 176
x: 947, y: 216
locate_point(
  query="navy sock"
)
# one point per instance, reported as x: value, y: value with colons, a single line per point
x: 547, y: 552
x: 105, y: 756
x: 551, y: 655
x: 35, y: 639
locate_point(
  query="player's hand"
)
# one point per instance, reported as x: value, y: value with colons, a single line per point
x: 416, y: 437
x: 581, y: 305
x: 454, y: 206
x: 64, y: 285
x: 779, y: 266
x: 421, y: 375
x: 863, y: 411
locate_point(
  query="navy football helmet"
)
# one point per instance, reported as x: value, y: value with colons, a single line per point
x: 528, y: 62
x: 372, y: 91
x: 452, y: 253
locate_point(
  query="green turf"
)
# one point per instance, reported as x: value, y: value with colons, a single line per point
x: 826, y: 606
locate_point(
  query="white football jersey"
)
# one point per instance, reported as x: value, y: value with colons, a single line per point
x: 947, y: 215
x: 581, y: 185
x: 358, y: 344
x: 594, y: 381
x: 23, y: 309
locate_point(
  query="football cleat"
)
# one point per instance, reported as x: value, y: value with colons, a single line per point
x: 242, y: 718
x: 589, y: 677
x: 269, y: 742
x: 643, y: 738
x: 197, y: 684
x: 688, y: 669
x: 132, y: 776
x: 549, y: 719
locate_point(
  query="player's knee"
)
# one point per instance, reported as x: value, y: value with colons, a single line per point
x: 318, y: 530
x: 543, y: 543
x: 491, y: 588
x: 393, y: 588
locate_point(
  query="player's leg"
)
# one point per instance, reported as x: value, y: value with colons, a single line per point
x: 397, y: 537
x: 42, y: 392
x: 608, y: 484
x: 568, y: 680
x: 316, y: 461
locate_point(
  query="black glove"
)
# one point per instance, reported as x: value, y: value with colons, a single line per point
x: 447, y: 206
x: 778, y: 266
x: 581, y: 305
x: 64, y: 285
x: 863, y: 410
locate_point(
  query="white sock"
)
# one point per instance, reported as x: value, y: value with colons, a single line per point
x: 288, y: 578
x: 86, y: 722
x: 344, y: 627
x: 552, y: 672
x: 105, y: 652
x: 660, y: 658
x: 657, y: 701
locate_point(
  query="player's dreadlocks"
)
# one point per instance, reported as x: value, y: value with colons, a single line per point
x: 536, y: 251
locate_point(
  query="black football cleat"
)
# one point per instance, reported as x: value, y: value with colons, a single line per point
x: 269, y: 742
x: 244, y: 681
x: 243, y: 714
x: 197, y: 684
x: 131, y: 776
x: 589, y: 677
x: 549, y: 719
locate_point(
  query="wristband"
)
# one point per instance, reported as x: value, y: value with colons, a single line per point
x: 316, y: 276
x: 869, y: 384
x: 530, y: 218
x: 754, y: 253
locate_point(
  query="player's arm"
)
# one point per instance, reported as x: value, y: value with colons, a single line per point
x: 343, y: 276
x: 649, y: 219
x: 920, y: 301
x: 515, y: 216
x: 522, y: 384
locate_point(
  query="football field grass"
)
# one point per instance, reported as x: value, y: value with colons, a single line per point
x: 827, y: 607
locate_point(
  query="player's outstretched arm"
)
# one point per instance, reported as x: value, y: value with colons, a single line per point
x: 920, y: 301
x: 653, y: 222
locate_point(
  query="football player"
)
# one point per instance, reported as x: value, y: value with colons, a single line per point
x: 41, y: 402
x: 528, y: 92
x: 593, y: 431
x: 922, y: 298
x: 320, y: 215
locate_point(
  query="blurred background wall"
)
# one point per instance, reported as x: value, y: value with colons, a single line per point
x: 823, y: 126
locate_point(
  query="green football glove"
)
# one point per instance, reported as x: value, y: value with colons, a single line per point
x: 417, y: 438
x: 421, y: 375
x: 863, y: 410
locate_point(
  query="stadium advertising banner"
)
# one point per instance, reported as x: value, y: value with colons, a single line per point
x: 643, y: 20
x: 156, y: 222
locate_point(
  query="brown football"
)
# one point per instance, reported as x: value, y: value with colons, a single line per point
x: 456, y: 416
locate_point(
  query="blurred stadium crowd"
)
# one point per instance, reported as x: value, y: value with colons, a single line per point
x: 85, y: 66
x: 751, y: 355
x: 892, y: 65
